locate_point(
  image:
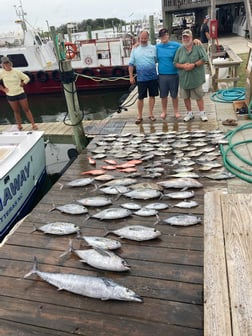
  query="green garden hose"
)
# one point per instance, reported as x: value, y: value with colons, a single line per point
x: 229, y: 165
x: 229, y: 95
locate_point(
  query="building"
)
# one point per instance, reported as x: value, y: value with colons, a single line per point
x: 232, y: 16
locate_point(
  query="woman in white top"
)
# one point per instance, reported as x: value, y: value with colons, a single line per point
x: 13, y: 86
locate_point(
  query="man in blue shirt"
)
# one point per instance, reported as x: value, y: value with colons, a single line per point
x: 168, y: 73
x: 143, y: 57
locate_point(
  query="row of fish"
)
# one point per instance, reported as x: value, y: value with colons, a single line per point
x: 147, y: 158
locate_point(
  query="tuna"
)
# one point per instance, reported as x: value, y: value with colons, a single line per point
x: 137, y: 232
x: 182, y: 220
x: 59, y: 228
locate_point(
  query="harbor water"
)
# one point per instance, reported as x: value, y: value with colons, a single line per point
x: 49, y: 108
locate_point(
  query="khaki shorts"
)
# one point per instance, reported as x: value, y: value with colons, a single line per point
x: 196, y: 93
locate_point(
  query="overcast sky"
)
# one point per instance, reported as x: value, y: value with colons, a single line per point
x: 57, y: 12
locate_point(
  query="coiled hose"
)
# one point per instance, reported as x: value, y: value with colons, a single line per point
x: 229, y: 95
x: 231, y: 166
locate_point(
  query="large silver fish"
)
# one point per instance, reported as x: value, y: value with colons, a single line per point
x: 112, y: 213
x: 95, y: 201
x: 137, y: 232
x: 102, y: 242
x: 181, y: 183
x: 59, y: 228
x: 103, y: 259
x: 82, y: 182
x: 182, y: 220
x: 71, y: 209
x: 180, y: 194
x: 221, y: 175
x: 143, y: 193
x: 94, y: 287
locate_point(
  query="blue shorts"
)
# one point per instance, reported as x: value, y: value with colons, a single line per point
x: 148, y: 86
x: 168, y: 84
x: 21, y: 96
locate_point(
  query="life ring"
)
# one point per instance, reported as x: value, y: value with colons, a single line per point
x: 30, y: 75
x: 56, y: 76
x: 88, y: 60
x: 71, y: 50
x: 87, y: 72
x: 42, y: 76
x: 118, y: 72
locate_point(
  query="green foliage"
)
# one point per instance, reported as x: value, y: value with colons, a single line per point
x: 242, y: 70
x: 95, y: 24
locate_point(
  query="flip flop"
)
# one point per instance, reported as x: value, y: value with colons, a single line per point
x: 152, y: 118
x: 230, y: 122
x: 163, y: 116
x: 138, y: 121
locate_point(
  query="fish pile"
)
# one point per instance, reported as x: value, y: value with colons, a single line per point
x: 170, y: 166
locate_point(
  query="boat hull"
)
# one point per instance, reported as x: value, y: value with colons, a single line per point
x: 23, y: 170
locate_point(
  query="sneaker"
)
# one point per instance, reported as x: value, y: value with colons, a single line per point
x: 203, y: 116
x: 189, y: 116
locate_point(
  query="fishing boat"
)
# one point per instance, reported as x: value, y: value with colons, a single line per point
x: 100, y: 63
x: 23, y: 171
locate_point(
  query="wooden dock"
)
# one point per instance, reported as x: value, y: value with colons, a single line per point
x: 166, y: 272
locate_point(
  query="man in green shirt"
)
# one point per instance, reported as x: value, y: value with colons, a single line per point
x: 190, y: 60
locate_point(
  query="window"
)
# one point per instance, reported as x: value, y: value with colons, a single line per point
x: 18, y: 60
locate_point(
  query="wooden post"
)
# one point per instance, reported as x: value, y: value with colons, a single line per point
x: 67, y: 78
x: 152, y: 31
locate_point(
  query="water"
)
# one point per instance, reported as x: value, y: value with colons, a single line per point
x: 49, y: 108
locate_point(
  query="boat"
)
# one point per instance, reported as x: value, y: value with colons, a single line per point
x: 23, y: 172
x: 100, y: 63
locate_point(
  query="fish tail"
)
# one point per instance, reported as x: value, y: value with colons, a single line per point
x: 68, y: 251
x: 34, y: 228
x: 34, y: 268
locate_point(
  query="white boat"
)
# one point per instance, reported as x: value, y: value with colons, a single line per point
x: 23, y: 170
x: 96, y: 63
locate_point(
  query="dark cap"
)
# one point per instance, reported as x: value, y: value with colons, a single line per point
x: 5, y: 59
x: 187, y: 32
x: 162, y: 32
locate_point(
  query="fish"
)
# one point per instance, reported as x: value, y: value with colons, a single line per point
x: 143, y: 193
x: 221, y: 175
x: 181, y: 183
x: 109, y: 167
x: 131, y: 206
x: 180, y: 194
x: 102, y: 242
x: 104, y: 177
x: 136, y: 232
x: 146, y: 212
x: 95, y: 201
x: 187, y: 204
x: 110, y: 161
x: 82, y: 182
x: 115, y: 190
x: 185, y: 174
x: 90, y: 286
x: 112, y: 213
x: 146, y: 185
x: 157, y: 206
x: 182, y: 220
x: 59, y: 228
x: 71, y: 209
x: 103, y: 259
x: 91, y: 161
x: 120, y: 181
x: 128, y: 170
x: 94, y: 172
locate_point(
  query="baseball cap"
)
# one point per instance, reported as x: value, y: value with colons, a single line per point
x: 5, y: 59
x: 162, y: 32
x: 187, y: 32
x: 207, y: 17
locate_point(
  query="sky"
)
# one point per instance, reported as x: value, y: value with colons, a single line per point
x: 44, y: 13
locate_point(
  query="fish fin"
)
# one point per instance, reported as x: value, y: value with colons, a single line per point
x: 53, y: 208
x: 103, y: 252
x: 184, y: 189
x: 34, y: 228
x: 158, y: 220
x: 67, y: 253
x: 34, y: 268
